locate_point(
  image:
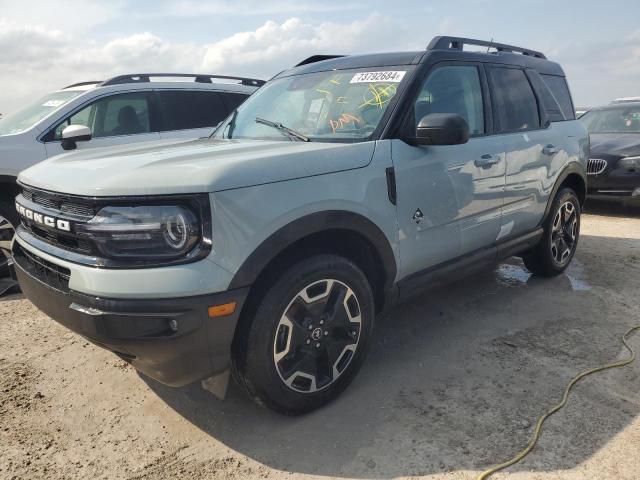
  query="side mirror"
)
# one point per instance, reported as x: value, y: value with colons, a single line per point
x: 73, y: 134
x: 441, y: 129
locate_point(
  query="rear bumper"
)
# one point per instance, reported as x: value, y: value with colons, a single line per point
x: 172, y: 340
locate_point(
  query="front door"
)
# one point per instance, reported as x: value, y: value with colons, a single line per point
x: 449, y: 197
x: 114, y: 120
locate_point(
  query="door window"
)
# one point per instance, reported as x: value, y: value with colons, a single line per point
x: 184, y: 109
x: 453, y: 89
x: 515, y: 103
x: 560, y: 90
x: 122, y: 114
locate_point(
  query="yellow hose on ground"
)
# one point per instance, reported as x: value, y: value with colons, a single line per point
x: 536, y: 432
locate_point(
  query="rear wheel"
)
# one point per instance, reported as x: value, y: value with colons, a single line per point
x: 560, y: 239
x: 8, y: 223
x: 307, y: 337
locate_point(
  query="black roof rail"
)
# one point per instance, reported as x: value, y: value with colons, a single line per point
x: 82, y: 84
x: 317, y: 58
x: 199, y: 78
x: 458, y: 43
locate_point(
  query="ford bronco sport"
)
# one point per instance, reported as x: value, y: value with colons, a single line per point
x: 342, y: 186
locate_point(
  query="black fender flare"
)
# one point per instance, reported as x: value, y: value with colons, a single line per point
x: 308, y: 225
x: 573, y: 168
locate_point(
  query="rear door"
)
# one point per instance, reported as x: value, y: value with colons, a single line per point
x: 531, y: 146
x: 450, y: 197
x: 114, y: 120
x: 190, y: 113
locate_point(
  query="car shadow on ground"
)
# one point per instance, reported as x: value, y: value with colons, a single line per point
x: 612, y: 209
x: 454, y: 381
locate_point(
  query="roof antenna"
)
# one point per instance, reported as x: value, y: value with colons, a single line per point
x: 490, y: 44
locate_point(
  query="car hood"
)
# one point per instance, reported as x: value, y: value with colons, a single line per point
x: 204, y: 165
x: 615, y: 144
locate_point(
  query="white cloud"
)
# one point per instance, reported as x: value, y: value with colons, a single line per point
x: 275, y: 46
x: 37, y: 60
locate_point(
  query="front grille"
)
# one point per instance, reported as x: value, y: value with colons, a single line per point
x: 49, y: 273
x: 60, y: 203
x: 68, y: 242
x: 596, y: 166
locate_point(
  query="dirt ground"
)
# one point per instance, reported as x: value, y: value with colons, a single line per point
x: 454, y: 382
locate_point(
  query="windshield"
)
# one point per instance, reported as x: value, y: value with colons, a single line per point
x: 345, y: 105
x: 613, y: 120
x: 27, y: 117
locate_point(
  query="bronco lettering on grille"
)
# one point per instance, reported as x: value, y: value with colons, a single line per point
x: 44, y: 220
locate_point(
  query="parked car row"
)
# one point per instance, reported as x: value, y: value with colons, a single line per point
x: 342, y: 186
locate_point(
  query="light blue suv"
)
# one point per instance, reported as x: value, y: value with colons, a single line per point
x: 341, y: 187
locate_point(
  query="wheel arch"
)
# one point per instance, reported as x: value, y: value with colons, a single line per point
x: 8, y: 188
x: 341, y: 232
x: 574, y: 177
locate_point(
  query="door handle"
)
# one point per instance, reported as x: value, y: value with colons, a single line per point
x: 550, y: 150
x: 486, y: 160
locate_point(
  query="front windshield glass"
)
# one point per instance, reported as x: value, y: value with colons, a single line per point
x: 344, y: 105
x: 613, y: 120
x: 29, y: 116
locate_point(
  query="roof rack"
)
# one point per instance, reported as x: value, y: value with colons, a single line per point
x: 317, y: 58
x: 82, y: 84
x: 199, y: 78
x: 458, y: 43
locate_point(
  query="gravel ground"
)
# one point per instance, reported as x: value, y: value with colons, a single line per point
x: 454, y: 382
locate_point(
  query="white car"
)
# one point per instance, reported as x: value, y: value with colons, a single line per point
x: 123, y: 109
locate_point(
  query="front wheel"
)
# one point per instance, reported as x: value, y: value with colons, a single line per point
x: 307, y: 337
x: 8, y: 222
x: 560, y: 239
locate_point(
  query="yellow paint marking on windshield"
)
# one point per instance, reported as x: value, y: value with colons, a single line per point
x: 378, y: 94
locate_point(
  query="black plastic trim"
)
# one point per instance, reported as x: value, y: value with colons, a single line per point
x: 571, y: 168
x: 140, y: 330
x: 462, y: 266
x: 391, y: 185
x: 308, y: 225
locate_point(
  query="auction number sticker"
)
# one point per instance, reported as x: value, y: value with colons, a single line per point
x: 371, y: 77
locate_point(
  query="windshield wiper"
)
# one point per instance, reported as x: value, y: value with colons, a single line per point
x: 288, y: 131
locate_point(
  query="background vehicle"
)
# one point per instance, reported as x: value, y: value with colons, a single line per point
x: 581, y: 111
x: 625, y: 100
x: 342, y: 186
x: 614, y: 164
x: 123, y: 109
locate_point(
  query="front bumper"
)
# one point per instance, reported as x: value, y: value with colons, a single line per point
x: 615, y: 184
x: 172, y: 340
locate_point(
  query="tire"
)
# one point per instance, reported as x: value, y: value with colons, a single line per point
x: 297, y: 363
x: 8, y: 222
x: 556, y: 249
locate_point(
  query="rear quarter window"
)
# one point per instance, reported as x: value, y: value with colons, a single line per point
x: 187, y: 109
x: 560, y: 91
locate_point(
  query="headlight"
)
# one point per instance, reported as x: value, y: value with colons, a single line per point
x: 162, y: 232
x: 629, y: 162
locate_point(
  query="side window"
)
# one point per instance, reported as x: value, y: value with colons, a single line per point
x: 184, y: 109
x: 453, y: 89
x: 560, y: 91
x: 125, y: 114
x: 515, y: 103
x: 233, y: 100
x: 120, y: 114
x: 83, y: 117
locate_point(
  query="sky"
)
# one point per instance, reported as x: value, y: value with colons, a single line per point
x: 46, y: 45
